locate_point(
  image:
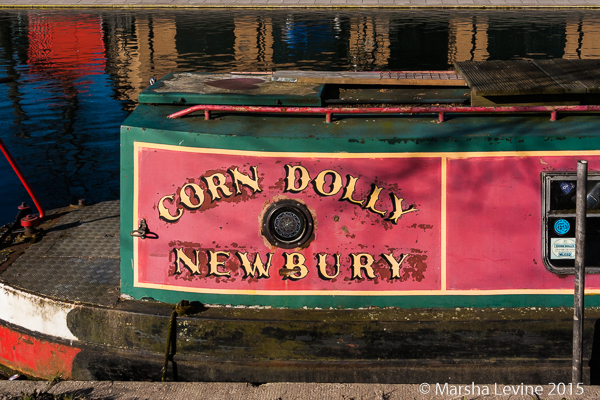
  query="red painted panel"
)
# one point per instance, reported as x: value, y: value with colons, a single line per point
x: 232, y: 224
x: 494, y: 215
x: 35, y: 357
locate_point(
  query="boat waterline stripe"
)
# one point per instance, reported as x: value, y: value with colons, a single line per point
x: 35, y: 313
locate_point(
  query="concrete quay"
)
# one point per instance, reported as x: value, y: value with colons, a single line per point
x: 282, y: 391
x: 324, y: 4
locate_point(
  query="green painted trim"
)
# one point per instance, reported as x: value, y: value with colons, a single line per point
x: 461, y: 133
x: 126, y: 211
x: 190, y: 99
x: 151, y: 96
x: 435, y: 301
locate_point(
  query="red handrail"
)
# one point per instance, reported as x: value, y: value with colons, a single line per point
x: 553, y: 110
x: 27, y: 221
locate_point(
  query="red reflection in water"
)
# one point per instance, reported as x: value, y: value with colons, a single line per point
x: 66, y: 47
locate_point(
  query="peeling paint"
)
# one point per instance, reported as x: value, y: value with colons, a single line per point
x: 35, y: 313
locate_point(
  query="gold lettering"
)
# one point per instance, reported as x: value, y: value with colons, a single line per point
x: 349, y: 190
x: 290, y: 179
x: 263, y: 269
x: 322, y: 264
x: 214, y: 263
x: 372, y: 199
x: 357, y: 265
x: 181, y: 257
x: 197, y: 193
x: 293, y: 261
x: 213, y: 188
x: 398, y: 211
x: 239, y: 178
x: 164, y: 213
x: 395, y: 264
x: 334, y: 187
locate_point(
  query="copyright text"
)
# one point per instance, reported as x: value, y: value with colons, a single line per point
x: 473, y: 389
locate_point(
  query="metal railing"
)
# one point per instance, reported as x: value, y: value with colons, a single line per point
x: 29, y: 220
x: 329, y: 112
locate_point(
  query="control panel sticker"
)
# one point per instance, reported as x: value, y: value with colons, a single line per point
x: 562, y: 248
x: 562, y: 226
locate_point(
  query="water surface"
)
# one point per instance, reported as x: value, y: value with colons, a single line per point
x: 78, y: 72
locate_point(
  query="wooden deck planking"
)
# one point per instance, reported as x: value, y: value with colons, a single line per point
x: 507, y: 78
x: 586, y: 72
x: 404, y: 78
x: 536, y: 77
x: 564, y: 72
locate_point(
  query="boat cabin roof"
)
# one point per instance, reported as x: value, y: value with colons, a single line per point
x: 529, y: 77
x: 485, y: 83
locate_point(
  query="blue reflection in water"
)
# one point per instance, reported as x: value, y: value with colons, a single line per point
x: 311, y: 36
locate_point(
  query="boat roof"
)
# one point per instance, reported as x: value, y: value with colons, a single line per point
x: 375, y: 111
x: 484, y: 83
x: 528, y: 77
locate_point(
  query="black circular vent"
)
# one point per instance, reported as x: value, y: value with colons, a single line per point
x: 287, y: 224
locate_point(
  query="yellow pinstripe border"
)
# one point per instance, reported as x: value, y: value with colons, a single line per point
x: 136, y: 182
x: 452, y: 155
x: 443, y: 226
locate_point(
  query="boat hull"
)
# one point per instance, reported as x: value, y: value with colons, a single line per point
x: 127, y: 342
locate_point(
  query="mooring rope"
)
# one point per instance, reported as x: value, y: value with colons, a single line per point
x: 180, y: 310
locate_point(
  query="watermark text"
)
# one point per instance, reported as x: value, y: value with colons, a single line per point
x: 473, y: 389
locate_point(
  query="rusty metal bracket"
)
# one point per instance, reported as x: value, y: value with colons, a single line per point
x: 141, y: 231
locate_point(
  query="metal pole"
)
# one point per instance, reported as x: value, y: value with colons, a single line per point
x: 21, y: 176
x: 581, y: 211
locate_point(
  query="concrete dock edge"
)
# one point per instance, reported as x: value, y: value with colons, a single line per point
x: 283, y: 391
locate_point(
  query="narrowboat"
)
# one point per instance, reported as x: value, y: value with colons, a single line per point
x: 393, y: 227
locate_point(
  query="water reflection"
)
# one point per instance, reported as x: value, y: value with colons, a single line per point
x: 468, y: 38
x: 582, y: 37
x: 65, y: 47
x: 139, y: 45
x: 369, y: 43
x: 253, y: 42
x: 78, y: 73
